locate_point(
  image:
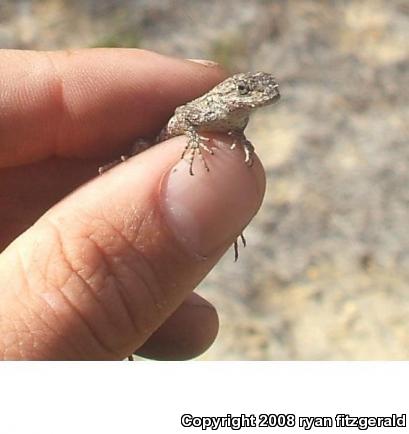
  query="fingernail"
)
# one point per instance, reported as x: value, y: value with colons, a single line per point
x: 204, y: 62
x: 207, y: 211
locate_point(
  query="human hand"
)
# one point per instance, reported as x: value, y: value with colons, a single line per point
x: 93, y: 267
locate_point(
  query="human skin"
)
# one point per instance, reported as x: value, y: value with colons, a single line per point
x: 94, y: 267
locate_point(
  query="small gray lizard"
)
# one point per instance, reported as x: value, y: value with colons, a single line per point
x: 226, y: 108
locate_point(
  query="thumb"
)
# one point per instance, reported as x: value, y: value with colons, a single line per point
x: 107, y: 266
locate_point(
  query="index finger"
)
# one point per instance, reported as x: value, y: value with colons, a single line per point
x: 87, y: 103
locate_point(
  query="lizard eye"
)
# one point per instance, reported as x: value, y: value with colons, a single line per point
x: 243, y: 88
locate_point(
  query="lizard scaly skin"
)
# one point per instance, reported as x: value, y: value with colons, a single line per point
x: 226, y: 108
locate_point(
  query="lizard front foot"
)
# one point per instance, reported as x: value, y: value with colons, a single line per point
x: 240, y: 139
x: 195, y: 144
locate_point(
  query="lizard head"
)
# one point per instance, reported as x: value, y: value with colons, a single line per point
x: 249, y: 90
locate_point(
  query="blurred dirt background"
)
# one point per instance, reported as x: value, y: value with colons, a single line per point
x: 326, y: 273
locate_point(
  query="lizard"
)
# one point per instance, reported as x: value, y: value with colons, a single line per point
x: 226, y: 108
